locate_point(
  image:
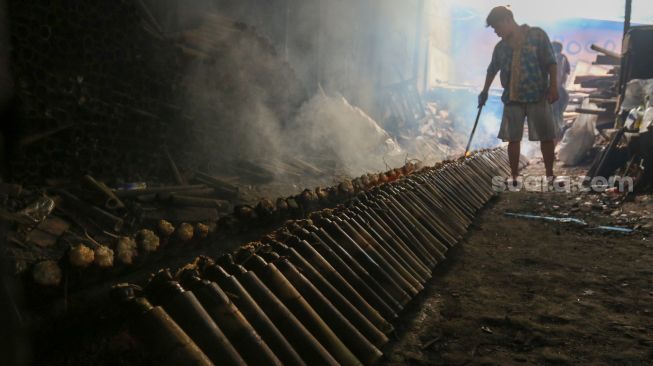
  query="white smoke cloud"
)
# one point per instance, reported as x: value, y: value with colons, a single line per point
x: 331, y: 124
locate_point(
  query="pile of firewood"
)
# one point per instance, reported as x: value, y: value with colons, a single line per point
x: 601, y: 89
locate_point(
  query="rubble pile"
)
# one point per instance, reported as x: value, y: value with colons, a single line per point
x: 441, y: 135
x: 604, y: 209
x: 617, y: 103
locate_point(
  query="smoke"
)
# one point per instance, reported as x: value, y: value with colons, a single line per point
x: 256, y: 98
x: 245, y: 104
x: 330, y: 125
x: 241, y: 125
x: 238, y: 97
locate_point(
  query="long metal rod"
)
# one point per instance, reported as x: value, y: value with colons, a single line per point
x: 478, y: 115
x: 628, y: 16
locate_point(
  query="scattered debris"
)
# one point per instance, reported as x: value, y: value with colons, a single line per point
x: 572, y: 220
x: 431, y: 342
x: 47, y: 273
x: 547, y: 218
x: 487, y: 330
x: 614, y: 228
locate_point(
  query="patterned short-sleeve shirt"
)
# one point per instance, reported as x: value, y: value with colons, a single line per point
x: 536, y: 57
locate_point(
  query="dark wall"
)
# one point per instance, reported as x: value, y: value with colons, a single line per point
x: 100, y: 91
x: 90, y: 74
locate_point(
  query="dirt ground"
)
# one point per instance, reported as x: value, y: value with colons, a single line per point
x: 527, y: 292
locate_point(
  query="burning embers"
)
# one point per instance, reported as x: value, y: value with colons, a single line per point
x: 320, y: 290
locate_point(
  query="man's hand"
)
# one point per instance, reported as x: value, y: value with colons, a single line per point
x: 552, y: 95
x: 482, y: 98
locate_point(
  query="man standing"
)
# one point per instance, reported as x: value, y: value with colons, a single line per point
x: 529, y: 78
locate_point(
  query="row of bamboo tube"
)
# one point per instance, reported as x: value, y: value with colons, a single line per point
x: 318, y: 291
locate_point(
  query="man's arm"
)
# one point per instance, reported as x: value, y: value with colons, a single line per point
x: 482, y: 98
x: 492, y: 71
x: 489, y: 79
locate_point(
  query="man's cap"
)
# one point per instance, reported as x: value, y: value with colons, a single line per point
x: 498, y: 14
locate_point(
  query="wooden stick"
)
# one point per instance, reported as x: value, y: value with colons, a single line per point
x: 115, y: 223
x: 605, y: 51
x: 111, y: 201
x: 39, y: 136
x: 173, y: 167
x: 216, y: 181
x: 131, y: 193
x: 591, y: 111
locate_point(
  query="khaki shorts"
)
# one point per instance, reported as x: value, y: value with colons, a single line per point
x: 541, y: 125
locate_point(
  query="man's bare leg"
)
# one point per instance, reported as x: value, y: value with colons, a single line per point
x: 548, y: 155
x: 513, y: 157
